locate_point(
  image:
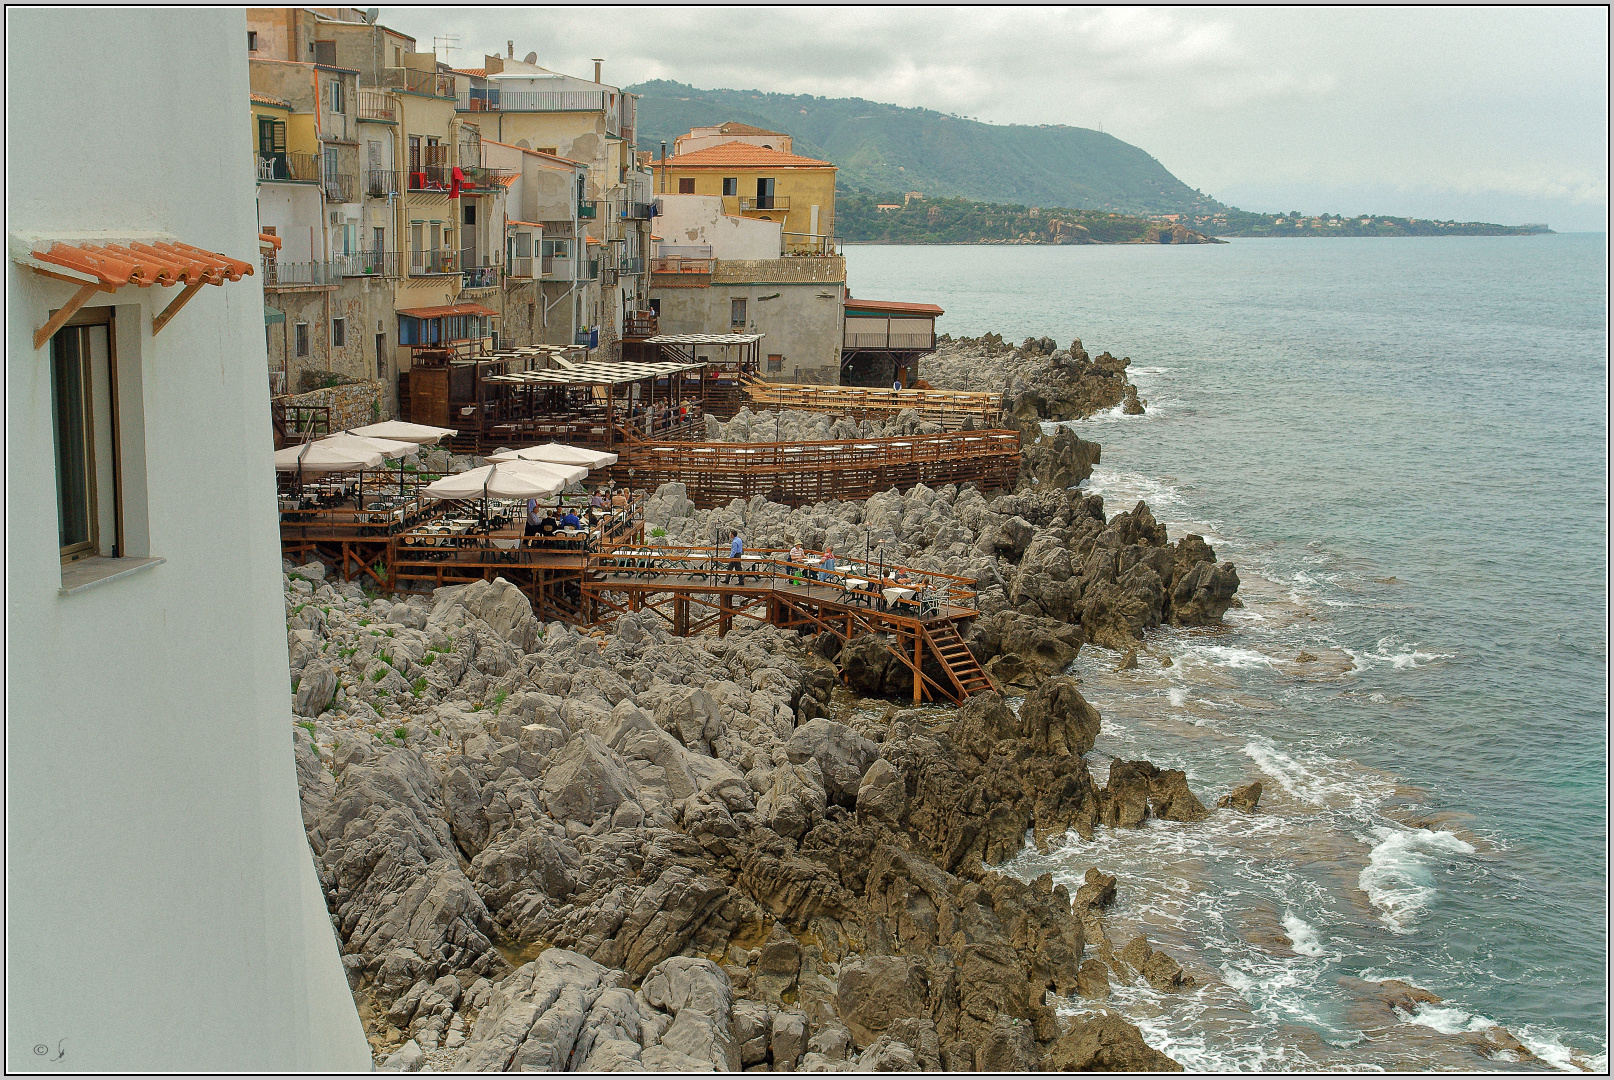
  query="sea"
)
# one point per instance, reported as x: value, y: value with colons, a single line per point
x: 1402, y: 446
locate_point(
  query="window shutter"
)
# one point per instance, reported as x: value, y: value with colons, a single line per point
x: 280, y: 137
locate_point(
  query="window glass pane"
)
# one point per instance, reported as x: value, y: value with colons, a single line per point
x: 71, y: 436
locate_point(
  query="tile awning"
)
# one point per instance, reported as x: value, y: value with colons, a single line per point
x: 108, y: 267
x: 446, y: 309
x: 598, y: 373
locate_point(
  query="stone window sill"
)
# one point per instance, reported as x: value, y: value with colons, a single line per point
x: 98, y: 570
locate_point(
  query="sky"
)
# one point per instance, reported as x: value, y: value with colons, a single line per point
x: 1470, y: 113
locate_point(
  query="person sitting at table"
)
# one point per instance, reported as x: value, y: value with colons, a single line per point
x: 829, y: 564
x: 596, y: 501
x: 796, y: 556
x: 571, y: 520
x: 534, y: 518
x: 548, y: 525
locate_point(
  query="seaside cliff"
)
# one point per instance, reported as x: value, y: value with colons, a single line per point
x: 549, y: 848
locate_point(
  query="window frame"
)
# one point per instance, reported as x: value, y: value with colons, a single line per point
x: 302, y: 340
x: 339, y: 333
x: 686, y: 185
x: 731, y: 185
x: 737, y: 306
x: 79, y: 325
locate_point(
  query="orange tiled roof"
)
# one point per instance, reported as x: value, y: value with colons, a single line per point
x: 893, y: 306
x: 739, y: 153
x: 480, y: 73
x: 446, y: 309
x: 265, y: 99
x: 269, y: 240
x: 733, y: 127
x: 147, y: 264
x: 591, y: 240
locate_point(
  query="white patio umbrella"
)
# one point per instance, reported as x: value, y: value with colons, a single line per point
x: 312, y: 457
x: 405, y: 432
x: 501, y: 480
x: 349, y: 440
x: 561, y: 454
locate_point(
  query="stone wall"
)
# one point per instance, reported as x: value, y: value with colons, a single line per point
x: 352, y: 405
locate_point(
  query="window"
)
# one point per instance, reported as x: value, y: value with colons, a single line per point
x: 381, y: 356
x: 252, y: 41
x: 765, y: 193
x: 397, y: 56
x: 335, y: 101
x: 338, y: 333
x: 655, y: 306
x: 378, y: 238
x: 302, y: 339
x: 469, y: 214
x: 731, y: 185
x: 84, y: 428
x: 776, y: 362
x: 737, y: 312
x: 686, y: 185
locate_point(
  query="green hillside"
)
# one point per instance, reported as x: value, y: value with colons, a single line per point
x: 881, y: 148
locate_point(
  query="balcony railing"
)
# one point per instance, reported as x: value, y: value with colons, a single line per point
x: 890, y: 341
x: 339, y: 187
x: 279, y: 274
x: 522, y: 266
x: 487, y: 181
x: 811, y: 244
x: 380, y: 182
x: 639, y: 211
x: 374, y: 105
x: 640, y: 324
x: 477, y: 99
x: 557, y: 267
x: 591, y: 270
x: 295, y: 166
x: 367, y: 264
x: 480, y: 277
x: 588, y: 209
x: 767, y: 202
x: 431, y: 83
x: 678, y: 264
x: 434, y: 262
x: 634, y: 265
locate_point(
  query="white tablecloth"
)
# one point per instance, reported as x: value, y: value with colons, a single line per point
x: 895, y: 594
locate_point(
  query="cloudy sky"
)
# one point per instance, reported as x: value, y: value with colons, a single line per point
x: 1493, y: 114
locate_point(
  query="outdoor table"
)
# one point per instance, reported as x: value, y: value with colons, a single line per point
x: 897, y: 595
x: 851, y: 585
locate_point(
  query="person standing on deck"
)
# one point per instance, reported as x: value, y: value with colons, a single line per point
x: 534, y: 518
x: 736, y: 567
x: 796, y: 556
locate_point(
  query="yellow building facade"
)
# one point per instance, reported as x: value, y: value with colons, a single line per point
x: 759, y: 183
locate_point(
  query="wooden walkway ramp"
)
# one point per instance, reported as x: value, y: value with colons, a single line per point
x: 694, y: 593
x: 949, y: 408
x: 802, y: 473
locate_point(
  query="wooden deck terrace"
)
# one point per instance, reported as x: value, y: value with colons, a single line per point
x: 802, y: 473
x: 949, y: 408
x: 696, y: 589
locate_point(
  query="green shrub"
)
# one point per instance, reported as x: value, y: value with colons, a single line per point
x: 419, y: 686
x: 401, y: 732
x: 498, y: 699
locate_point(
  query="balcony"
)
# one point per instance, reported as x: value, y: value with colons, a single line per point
x: 640, y: 324
x: 634, y: 265
x: 487, y: 181
x: 367, y: 264
x: 340, y: 187
x: 681, y: 264
x: 480, y: 277
x: 767, y: 202
x: 288, y: 166
x: 522, y: 266
x: 811, y: 244
x: 434, y: 262
x: 588, y: 209
x: 639, y: 211
x: 591, y: 270
x: 556, y: 268
x: 374, y: 105
x: 477, y: 99
x: 409, y: 80
x: 277, y: 274
x: 379, y: 183
x: 893, y: 341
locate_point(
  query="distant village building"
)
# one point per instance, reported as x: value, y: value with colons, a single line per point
x: 888, y: 206
x: 163, y: 911
x: 703, y: 137
x: 910, y: 196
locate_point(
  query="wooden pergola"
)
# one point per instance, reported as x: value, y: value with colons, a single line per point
x: 725, y: 371
x: 594, y: 403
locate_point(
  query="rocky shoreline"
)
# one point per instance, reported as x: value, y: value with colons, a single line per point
x: 550, y: 848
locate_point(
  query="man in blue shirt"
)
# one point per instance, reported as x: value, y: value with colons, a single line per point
x: 571, y: 520
x: 736, y: 549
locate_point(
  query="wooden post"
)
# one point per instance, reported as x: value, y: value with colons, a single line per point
x: 918, y: 662
x: 680, y: 615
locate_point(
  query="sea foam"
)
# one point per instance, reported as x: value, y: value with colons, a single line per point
x: 1397, y: 878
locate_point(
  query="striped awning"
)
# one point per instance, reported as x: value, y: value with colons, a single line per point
x: 703, y: 339
x: 598, y: 373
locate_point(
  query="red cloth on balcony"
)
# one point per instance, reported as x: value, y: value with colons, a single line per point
x: 454, y: 188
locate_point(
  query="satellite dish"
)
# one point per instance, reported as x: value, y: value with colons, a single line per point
x: 371, y: 15
x: 532, y: 58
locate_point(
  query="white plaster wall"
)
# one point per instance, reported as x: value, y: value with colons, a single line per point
x: 800, y: 322
x: 294, y: 211
x: 699, y: 219
x: 163, y: 911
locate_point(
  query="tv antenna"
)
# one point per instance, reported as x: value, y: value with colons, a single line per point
x: 445, y: 43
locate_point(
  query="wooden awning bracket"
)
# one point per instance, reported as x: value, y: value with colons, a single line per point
x: 160, y: 321
x: 67, y: 311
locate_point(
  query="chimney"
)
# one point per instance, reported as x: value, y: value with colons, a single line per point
x: 510, y: 48
x: 598, y: 60
x: 664, y: 166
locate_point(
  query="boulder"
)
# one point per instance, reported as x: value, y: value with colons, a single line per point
x: 698, y: 995
x: 1201, y: 595
x: 881, y: 794
x: 874, y: 991
x: 1138, y: 790
x: 841, y: 753
x: 315, y: 690
x: 788, y: 1040
x: 1105, y: 1043
x: 498, y: 603
x: 588, y: 781
x: 1243, y: 798
x: 1056, y: 719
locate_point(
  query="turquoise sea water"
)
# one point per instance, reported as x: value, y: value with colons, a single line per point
x: 1402, y: 444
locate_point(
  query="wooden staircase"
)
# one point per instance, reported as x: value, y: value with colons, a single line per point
x: 962, y: 668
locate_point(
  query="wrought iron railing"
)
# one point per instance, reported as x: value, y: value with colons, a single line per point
x: 764, y: 202
x: 588, y: 209
x: 380, y: 182
x: 434, y: 262
x: 339, y: 187
x: 634, y: 265
x: 367, y: 264
x: 293, y: 166
x: 491, y: 99
x: 277, y: 273
x: 479, y: 277
x: 639, y: 211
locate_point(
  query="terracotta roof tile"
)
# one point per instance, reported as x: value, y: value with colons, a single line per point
x: 893, y: 306
x: 739, y: 153
x: 147, y: 264
x: 446, y: 309
x: 480, y: 73
x: 735, y: 128
x: 265, y: 99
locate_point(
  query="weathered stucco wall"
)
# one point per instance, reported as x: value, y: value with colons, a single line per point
x: 801, y: 321
x: 699, y: 219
